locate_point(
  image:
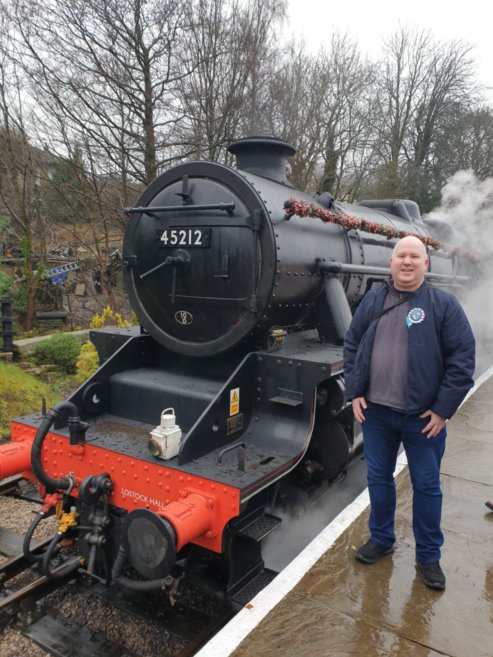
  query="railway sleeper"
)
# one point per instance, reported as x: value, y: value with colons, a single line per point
x: 64, y: 638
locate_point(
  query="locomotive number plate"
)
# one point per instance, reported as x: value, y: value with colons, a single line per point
x: 190, y: 237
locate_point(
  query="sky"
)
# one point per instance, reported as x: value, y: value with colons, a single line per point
x: 369, y: 21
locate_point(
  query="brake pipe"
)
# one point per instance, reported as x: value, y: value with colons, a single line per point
x: 49, y: 503
x: 64, y: 483
x: 67, y: 522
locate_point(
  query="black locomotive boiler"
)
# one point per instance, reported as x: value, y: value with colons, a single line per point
x: 230, y: 394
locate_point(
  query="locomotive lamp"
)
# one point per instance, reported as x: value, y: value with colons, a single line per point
x: 166, y: 437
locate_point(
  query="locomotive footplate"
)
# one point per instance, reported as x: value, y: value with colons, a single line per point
x: 274, y: 418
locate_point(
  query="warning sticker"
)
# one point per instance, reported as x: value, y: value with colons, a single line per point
x: 234, y: 401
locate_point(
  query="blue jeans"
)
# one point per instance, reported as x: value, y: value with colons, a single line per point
x: 384, y: 429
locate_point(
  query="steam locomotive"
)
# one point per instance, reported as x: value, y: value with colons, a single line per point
x: 230, y: 394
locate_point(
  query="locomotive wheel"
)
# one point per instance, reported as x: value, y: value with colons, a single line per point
x: 329, y: 450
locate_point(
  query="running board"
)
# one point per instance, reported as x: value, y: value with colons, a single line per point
x: 258, y: 527
x: 254, y: 586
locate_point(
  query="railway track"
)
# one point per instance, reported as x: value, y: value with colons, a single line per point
x: 25, y: 598
x: 73, y: 614
x: 10, y: 485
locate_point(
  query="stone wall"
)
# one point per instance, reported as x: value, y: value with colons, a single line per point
x: 82, y: 301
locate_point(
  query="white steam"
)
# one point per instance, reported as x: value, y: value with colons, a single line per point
x: 467, y: 205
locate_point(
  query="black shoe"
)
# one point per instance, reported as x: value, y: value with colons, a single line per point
x: 432, y: 575
x: 489, y: 505
x: 372, y: 551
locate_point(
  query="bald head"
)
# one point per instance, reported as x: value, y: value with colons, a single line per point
x: 410, y: 241
x: 408, y: 264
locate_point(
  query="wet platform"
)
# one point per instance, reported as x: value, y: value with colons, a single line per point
x: 341, y: 607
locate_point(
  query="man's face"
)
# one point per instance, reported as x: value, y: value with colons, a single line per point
x: 408, y: 264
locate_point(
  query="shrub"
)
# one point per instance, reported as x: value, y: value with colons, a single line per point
x: 19, y: 297
x: 87, y: 362
x: 61, y: 350
x: 5, y: 285
x: 108, y: 317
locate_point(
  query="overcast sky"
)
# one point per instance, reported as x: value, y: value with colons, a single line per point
x: 369, y: 21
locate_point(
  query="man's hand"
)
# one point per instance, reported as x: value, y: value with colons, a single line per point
x: 434, y: 426
x: 359, y: 404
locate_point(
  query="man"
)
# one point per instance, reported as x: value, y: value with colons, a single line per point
x: 408, y: 361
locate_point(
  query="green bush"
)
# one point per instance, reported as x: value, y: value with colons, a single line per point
x: 19, y: 296
x: 20, y: 393
x: 62, y: 351
x: 87, y: 362
x: 5, y: 285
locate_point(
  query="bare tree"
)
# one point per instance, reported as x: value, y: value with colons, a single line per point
x: 293, y: 114
x: 345, y: 83
x: 230, y: 51
x: 319, y: 104
x: 464, y: 141
x: 22, y: 177
x: 86, y: 206
x: 109, y: 68
x: 418, y: 78
x: 469, y: 144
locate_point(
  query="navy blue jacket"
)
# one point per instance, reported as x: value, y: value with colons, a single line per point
x: 441, y: 350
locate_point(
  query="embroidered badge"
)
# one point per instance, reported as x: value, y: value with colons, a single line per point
x: 415, y: 316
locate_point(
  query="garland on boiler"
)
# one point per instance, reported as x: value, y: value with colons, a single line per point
x: 302, y: 209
